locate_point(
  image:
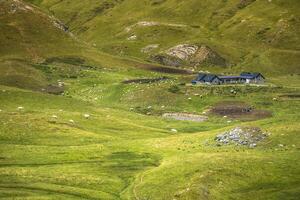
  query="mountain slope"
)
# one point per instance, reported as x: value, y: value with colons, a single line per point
x: 29, y: 36
x: 29, y: 33
x: 36, y: 48
x: 255, y: 35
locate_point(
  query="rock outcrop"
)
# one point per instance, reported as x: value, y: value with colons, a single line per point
x: 183, y: 51
x: 190, y: 55
x: 206, y: 56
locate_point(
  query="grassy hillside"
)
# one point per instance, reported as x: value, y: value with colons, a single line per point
x: 36, y: 48
x: 126, y: 150
x: 28, y: 33
x: 258, y: 35
x: 83, y: 115
x: 29, y: 36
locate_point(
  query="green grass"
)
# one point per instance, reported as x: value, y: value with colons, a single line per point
x: 121, y: 154
x: 251, y: 35
x: 125, y: 149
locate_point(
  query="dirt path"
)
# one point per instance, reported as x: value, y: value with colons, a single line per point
x: 135, y: 187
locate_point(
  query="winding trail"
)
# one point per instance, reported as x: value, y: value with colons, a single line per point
x: 135, y: 187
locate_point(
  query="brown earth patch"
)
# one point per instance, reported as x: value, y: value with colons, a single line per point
x: 53, y: 89
x: 145, y: 80
x: 239, y: 110
x: 290, y: 96
x: 169, y: 70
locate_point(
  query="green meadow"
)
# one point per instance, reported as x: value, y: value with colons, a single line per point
x: 76, y: 122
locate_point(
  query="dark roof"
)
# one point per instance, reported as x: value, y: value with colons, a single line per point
x: 206, y: 77
x: 210, y: 77
x: 251, y: 75
x: 200, y: 77
x: 230, y: 77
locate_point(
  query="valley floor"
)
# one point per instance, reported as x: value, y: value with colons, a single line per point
x: 105, y: 139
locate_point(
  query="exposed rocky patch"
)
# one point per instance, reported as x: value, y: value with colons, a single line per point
x: 206, y: 56
x: 183, y: 51
x: 167, y: 60
x: 16, y: 6
x: 58, y: 24
x: 243, y: 136
x: 185, y: 117
x: 149, y: 48
x: 132, y: 37
x: 190, y: 55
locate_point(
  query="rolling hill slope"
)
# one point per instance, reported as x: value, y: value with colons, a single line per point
x: 29, y: 36
x: 255, y: 35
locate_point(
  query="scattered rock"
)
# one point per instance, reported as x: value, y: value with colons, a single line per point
x: 233, y: 91
x: 58, y: 24
x: 253, y: 145
x: 149, y: 48
x: 54, y: 116
x: 174, y: 130
x: 60, y: 84
x: 133, y: 37
x: 87, y: 116
x: 245, y: 136
x: 20, y: 108
x: 71, y: 121
x: 281, y: 145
